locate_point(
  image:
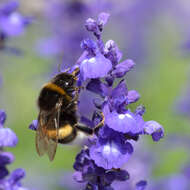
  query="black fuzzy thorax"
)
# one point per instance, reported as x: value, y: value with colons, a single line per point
x: 48, y: 97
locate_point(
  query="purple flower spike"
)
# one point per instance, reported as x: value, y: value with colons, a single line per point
x: 8, y: 138
x: 95, y: 67
x: 122, y: 68
x: 3, y: 117
x: 141, y: 185
x: 155, y: 129
x: 33, y: 126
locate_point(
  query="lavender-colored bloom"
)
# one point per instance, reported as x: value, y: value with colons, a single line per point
x: 98, y: 164
x: 122, y: 68
x: 155, y: 129
x: 103, y: 19
x: 111, y: 150
x: 112, y: 52
x: 34, y: 125
x: 132, y: 96
x: 95, y: 67
x: 8, y: 139
x: 12, y: 23
x: 126, y: 122
x: 96, y: 177
x: 6, y: 158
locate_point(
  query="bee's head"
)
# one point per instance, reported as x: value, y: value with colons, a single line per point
x: 65, y: 81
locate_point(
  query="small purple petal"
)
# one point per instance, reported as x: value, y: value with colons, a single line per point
x: 3, y: 117
x: 133, y: 96
x: 140, y: 110
x: 16, y: 176
x: 103, y: 19
x: 98, y: 87
x: 95, y: 67
x: 13, y: 25
x: 110, y: 155
x: 112, y: 52
x: 89, y: 46
x: 34, y: 125
x: 91, y: 25
x: 6, y: 158
x: 3, y: 172
x: 141, y: 185
x: 77, y: 176
x: 122, y: 68
x: 119, y: 95
x: 126, y: 122
x: 155, y: 129
x: 8, y: 138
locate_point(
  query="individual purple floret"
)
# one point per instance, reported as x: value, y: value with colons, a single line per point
x: 8, y: 139
x: 99, y: 163
x: 110, y: 149
x: 33, y: 125
x: 12, y: 23
x: 155, y: 129
x: 95, y: 176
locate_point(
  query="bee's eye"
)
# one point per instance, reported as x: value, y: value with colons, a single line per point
x: 66, y: 83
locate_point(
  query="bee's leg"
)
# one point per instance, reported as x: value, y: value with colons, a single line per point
x: 101, y: 123
x: 76, y: 71
x: 84, y: 128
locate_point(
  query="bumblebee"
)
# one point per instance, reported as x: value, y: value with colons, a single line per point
x: 57, y: 119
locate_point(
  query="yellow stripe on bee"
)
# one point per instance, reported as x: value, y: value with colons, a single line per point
x: 58, y: 89
x: 63, y: 131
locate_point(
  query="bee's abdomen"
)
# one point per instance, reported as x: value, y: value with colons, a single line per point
x: 67, y: 133
x: 64, y: 134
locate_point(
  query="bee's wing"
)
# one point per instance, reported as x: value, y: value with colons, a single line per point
x: 44, y: 142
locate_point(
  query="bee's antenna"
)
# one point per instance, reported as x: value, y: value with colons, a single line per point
x: 59, y: 67
x: 76, y: 71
